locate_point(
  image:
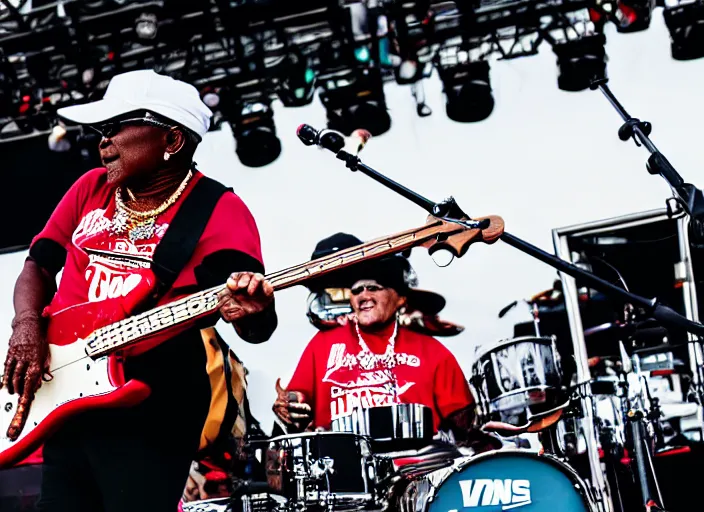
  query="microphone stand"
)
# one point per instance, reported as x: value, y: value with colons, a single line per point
x: 687, y: 195
x: 449, y: 210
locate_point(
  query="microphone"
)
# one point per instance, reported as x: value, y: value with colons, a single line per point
x: 334, y: 141
x: 328, y: 139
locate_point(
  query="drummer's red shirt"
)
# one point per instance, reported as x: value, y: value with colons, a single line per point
x: 329, y: 376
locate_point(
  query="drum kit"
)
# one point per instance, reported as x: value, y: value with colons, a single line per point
x: 576, y: 439
x: 386, y: 458
x: 643, y: 405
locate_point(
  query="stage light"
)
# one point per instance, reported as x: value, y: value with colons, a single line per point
x: 467, y: 89
x: 146, y: 26
x: 297, y: 88
x: 255, y: 134
x: 211, y: 99
x: 628, y: 15
x: 355, y: 99
x: 362, y: 54
x: 686, y: 26
x: 57, y: 139
x: 579, y: 61
x: 634, y: 15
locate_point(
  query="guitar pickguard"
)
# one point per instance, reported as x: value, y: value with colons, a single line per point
x: 75, y: 377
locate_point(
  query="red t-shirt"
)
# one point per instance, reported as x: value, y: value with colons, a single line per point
x: 101, y: 266
x: 333, y: 383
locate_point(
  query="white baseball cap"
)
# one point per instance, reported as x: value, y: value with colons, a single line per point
x: 145, y: 90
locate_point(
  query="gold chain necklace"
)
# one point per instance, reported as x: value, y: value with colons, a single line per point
x: 141, y: 225
x: 368, y: 360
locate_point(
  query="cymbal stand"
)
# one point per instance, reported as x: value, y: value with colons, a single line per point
x: 642, y: 419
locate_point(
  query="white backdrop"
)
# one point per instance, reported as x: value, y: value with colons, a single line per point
x: 544, y: 159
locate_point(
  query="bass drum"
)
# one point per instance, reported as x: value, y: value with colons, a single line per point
x: 498, y: 481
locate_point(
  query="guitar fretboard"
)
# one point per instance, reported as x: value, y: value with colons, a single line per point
x: 130, y: 330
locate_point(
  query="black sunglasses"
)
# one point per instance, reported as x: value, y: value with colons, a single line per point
x: 369, y: 287
x: 111, y: 128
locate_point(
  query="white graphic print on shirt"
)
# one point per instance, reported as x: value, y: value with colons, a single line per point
x: 115, y: 261
x: 352, y: 387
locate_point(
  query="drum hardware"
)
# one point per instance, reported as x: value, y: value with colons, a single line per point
x: 626, y: 420
x: 518, y: 385
x: 391, y: 427
x: 536, y: 423
x: 258, y: 502
x: 411, y: 466
x: 642, y: 416
x: 322, y: 471
x: 532, y: 304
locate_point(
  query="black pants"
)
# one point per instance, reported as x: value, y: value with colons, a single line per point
x: 135, y: 459
x: 19, y: 488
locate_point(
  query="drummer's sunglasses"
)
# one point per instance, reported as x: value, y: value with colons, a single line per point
x: 369, y: 287
x: 111, y: 128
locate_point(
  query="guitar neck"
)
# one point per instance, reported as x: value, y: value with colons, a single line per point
x: 118, y: 335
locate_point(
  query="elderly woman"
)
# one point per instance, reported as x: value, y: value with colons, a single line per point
x: 105, y: 235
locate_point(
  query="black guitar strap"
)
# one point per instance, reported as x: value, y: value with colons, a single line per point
x: 182, y: 236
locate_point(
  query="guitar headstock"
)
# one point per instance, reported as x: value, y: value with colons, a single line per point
x: 456, y: 238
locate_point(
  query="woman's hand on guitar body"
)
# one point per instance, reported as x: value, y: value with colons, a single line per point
x: 247, y: 293
x: 25, y: 365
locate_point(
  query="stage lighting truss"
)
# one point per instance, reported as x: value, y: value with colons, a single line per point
x: 506, y: 29
x: 65, y: 51
x: 685, y: 22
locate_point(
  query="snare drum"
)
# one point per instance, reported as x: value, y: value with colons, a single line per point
x: 390, y: 427
x: 519, y: 379
x: 498, y: 481
x: 321, y: 469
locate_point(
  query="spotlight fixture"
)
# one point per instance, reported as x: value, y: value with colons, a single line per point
x: 468, y: 91
x: 57, y: 139
x: 146, y: 26
x: 355, y: 99
x: 297, y: 88
x: 634, y: 15
x: 579, y: 61
x: 255, y: 134
x: 686, y: 26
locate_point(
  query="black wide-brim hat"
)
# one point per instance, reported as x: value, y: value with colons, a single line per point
x: 390, y: 271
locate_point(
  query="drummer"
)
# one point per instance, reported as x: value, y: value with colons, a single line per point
x: 373, y: 360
